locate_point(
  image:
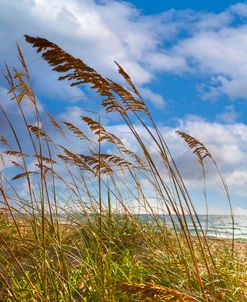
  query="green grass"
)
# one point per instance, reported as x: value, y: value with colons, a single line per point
x: 133, y: 253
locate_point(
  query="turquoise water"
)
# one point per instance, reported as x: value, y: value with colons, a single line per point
x: 215, y: 226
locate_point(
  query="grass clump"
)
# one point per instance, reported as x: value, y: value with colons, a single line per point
x: 71, y: 234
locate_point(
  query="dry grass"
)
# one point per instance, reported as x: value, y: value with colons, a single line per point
x: 151, y: 292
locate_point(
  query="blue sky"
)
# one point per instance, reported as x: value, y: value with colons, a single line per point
x: 188, y: 58
x: 150, y: 7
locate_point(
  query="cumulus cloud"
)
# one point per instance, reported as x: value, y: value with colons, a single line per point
x: 208, y: 43
x: 9, y: 105
x: 90, y: 30
x: 216, y: 46
x: 221, y: 53
x: 155, y: 98
x: 226, y: 142
x: 228, y: 145
x: 239, y: 9
x: 229, y: 115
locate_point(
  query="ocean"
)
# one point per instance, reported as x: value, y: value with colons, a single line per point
x: 214, y: 226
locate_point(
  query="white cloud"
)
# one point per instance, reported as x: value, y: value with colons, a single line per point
x: 239, y: 9
x: 229, y: 115
x: 228, y: 145
x: 211, y: 43
x: 90, y: 30
x: 215, y: 46
x: 9, y: 105
x: 167, y: 62
x: 211, y: 21
x: 217, y: 51
x: 155, y: 98
x: 226, y: 142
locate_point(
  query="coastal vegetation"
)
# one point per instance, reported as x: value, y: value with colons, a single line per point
x: 89, y: 221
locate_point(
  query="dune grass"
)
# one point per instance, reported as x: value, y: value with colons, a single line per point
x: 70, y: 228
